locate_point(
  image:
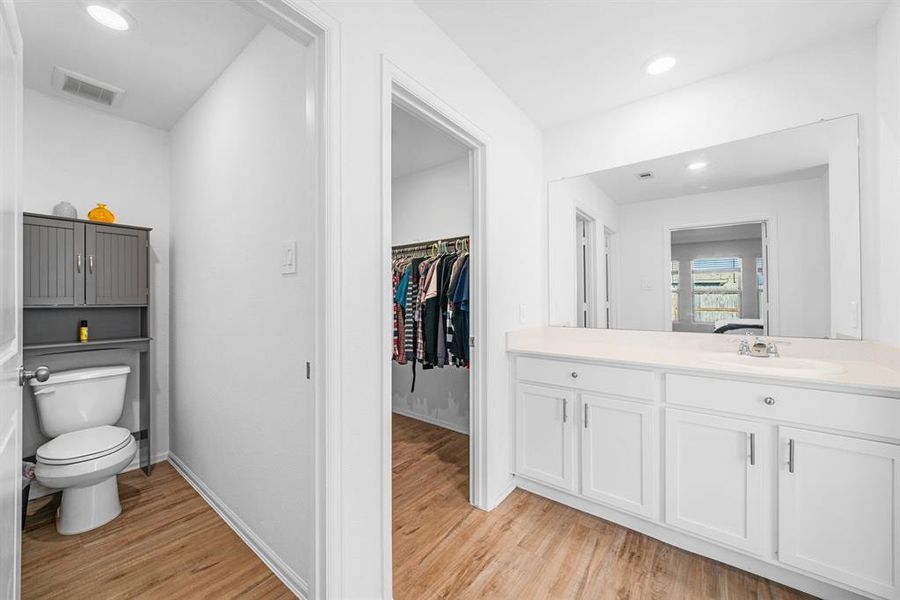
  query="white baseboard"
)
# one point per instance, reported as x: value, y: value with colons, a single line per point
x: 39, y: 491
x: 288, y: 576
x: 431, y: 420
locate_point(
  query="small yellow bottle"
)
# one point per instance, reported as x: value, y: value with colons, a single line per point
x: 83, y: 332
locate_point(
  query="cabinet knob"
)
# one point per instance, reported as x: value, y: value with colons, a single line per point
x: 769, y: 400
x: 574, y: 374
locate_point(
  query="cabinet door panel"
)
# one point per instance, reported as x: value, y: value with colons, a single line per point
x: 839, y: 509
x: 544, y: 443
x: 714, y: 478
x: 117, y: 265
x: 52, y: 259
x: 618, y: 453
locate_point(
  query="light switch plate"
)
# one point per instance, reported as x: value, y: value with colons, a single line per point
x: 288, y: 257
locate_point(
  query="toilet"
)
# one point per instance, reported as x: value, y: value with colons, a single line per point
x: 79, y: 409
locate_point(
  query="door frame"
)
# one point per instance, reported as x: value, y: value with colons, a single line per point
x: 402, y: 90
x: 12, y: 351
x: 770, y: 253
x: 312, y: 26
x: 591, y: 282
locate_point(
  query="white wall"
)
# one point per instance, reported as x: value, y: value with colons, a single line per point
x: 798, y: 247
x: 565, y: 198
x: 85, y: 156
x: 795, y: 89
x: 432, y: 204
x: 516, y: 272
x: 888, y: 115
x: 242, y: 409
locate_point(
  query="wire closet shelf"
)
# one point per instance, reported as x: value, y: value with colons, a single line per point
x: 434, y: 247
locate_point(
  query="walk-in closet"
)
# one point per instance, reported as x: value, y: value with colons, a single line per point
x: 431, y: 210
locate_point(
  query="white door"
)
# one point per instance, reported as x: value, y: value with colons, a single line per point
x: 617, y: 451
x: 10, y: 299
x: 839, y: 509
x: 544, y: 443
x: 715, y: 469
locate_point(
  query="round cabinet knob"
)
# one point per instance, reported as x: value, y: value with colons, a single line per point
x: 574, y: 374
x: 769, y: 400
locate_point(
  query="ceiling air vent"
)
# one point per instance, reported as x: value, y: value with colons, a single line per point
x: 644, y: 175
x: 86, y: 88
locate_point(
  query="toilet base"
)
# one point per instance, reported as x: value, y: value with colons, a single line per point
x: 86, y: 508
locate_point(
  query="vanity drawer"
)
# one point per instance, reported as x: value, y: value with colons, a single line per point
x: 872, y: 415
x: 632, y: 383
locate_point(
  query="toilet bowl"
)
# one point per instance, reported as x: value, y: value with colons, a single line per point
x: 79, y: 408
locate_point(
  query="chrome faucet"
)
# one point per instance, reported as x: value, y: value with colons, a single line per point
x: 759, y: 348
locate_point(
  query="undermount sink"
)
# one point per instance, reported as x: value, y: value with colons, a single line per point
x: 775, y: 365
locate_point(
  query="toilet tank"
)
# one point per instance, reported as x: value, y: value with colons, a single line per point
x: 80, y: 398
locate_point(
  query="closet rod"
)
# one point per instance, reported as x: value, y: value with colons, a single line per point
x: 425, y: 245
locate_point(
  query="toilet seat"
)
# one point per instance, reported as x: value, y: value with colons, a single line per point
x: 84, y: 445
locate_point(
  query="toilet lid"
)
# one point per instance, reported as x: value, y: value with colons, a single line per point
x: 86, y: 444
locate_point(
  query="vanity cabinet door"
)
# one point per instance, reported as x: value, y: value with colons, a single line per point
x: 53, y: 262
x: 544, y: 440
x: 116, y: 265
x: 715, y: 478
x: 618, y: 453
x: 839, y: 509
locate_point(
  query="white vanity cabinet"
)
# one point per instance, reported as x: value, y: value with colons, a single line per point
x: 715, y: 477
x: 798, y: 483
x: 544, y: 428
x: 590, y: 420
x: 839, y: 508
x: 618, y: 442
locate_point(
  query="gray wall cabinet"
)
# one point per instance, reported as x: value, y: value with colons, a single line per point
x: 69, y: 262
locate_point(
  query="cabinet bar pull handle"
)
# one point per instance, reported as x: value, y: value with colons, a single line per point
x: 565, y: 409
x: 91, y: 263
x: 585, y: 416
x: 790, y: 456
x: 752, y: 448
x: 78, y: 263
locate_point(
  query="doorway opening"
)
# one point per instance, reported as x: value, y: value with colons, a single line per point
x: 433, y: 376
x: 719, y: 277
x: 586, y: 270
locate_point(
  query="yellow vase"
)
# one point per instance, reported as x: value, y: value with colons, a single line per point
x: 102, y: 214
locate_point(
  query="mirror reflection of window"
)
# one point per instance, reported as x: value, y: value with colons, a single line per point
x: 717, y: 289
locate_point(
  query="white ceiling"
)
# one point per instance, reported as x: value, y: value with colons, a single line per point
x: 416, y: 146
x: 562, y: 60
x: 175, y: 53
x: 727, y: 233
x: 799, y: 153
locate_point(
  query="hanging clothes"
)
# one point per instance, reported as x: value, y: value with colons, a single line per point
x: 431, y: 306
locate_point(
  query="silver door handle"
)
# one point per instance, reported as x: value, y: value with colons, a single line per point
x: 565, y: 410
x: 790, y: 456
x: 574, y: 374
x: 78, y: 263
x: 769, y: 400
x: 585, y: 415
x: 91, y: 263
x: 752, y: 449
x: 42, y: 374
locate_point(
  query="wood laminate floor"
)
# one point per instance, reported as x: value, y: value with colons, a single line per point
x: 167, y: 543
x: 530, y: 547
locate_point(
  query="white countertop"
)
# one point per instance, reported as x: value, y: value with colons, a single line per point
x: 859, y: 366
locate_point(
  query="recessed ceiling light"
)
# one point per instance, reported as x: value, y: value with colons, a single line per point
x: 657, y: 66
x: 109, y: 17
x: 697, y: 166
